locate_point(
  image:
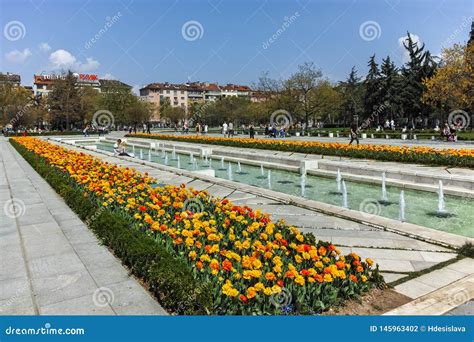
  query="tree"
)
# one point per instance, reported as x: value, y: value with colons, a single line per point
x: 329, y: 102
x: 304, y: 81
x: 372, y: 87
x: 353, y: 94
x: 14, y: 106
x: 390, y: 102
x: 419, y: 66
x: 138, y: 111
x: 451, y: 87
x: 116, y: 100
x: 88, y: 103
x: 64, y: 103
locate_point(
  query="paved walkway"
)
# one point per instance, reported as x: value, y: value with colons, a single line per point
x: 376, y: 141
x: 51, y: 264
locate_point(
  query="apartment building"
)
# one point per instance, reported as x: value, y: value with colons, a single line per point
x: 183, y: 95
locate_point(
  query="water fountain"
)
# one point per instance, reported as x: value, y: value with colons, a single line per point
x: 239, y: 168
x: 133, y: 149
x: 401, y: 213
x: 262, y: 170
x: 178, y: 163
x: 269, y: 179
x: 210, y: 163
x: 141, y: 154
x: 173, y: 155
x: 195, y: 164
x: 338, y: 180
x: 229, y: 171
x: 303, y: 185
x: 191, y: 158
x: 222, y: 163
x: 384, y: 199
x: 166, y: 158
x: 149, y: 155
x: 344, y: 195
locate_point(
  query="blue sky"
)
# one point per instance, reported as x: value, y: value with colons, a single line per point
x: 227, y: 41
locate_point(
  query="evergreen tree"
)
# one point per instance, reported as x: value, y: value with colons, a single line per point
x: 391, y: 89
x: 372, y: 87
x: 65, y: 103
x: 353, y: 97
x: 419, y: 66
x: 471, y: 35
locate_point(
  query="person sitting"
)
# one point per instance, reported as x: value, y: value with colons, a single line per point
x: 119, y: 148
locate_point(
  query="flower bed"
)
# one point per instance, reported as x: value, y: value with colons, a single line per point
x: 416, y: 154
x: 246, y: 263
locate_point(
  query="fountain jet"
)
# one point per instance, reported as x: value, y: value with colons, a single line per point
x: 338, y: 181
x: 344, y: 195
x: 269, y: 179
x: 141, y: 154
x: 239, y: 168
x: 441, y: 204
x: 178, y: 163
x: 229, y: 171
x: 262, y: 171
x: 303, y: 185
x: 401, y: 214
x: 384, y: 198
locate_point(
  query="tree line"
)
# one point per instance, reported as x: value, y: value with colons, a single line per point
x: 423, y: 90
x: 69, y: 107
x: 419, y: 93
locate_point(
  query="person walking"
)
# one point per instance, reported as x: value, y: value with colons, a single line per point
x: 231, y: 129
x: 224, y: 129
x: 252, y: 132
x: 354, y: 134
x: 206, y: 128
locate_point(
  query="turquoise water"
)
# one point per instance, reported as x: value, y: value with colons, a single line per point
x: 420, y: 205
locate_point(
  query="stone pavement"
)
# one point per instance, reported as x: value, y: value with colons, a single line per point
x: 50, y: 262
x: 375, y: 141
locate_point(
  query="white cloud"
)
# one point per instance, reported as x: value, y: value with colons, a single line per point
x: 404, y: 53
x: 62, y: 59
x: 17, y: 56
x: 108, y: 76
x: 44, y: 47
